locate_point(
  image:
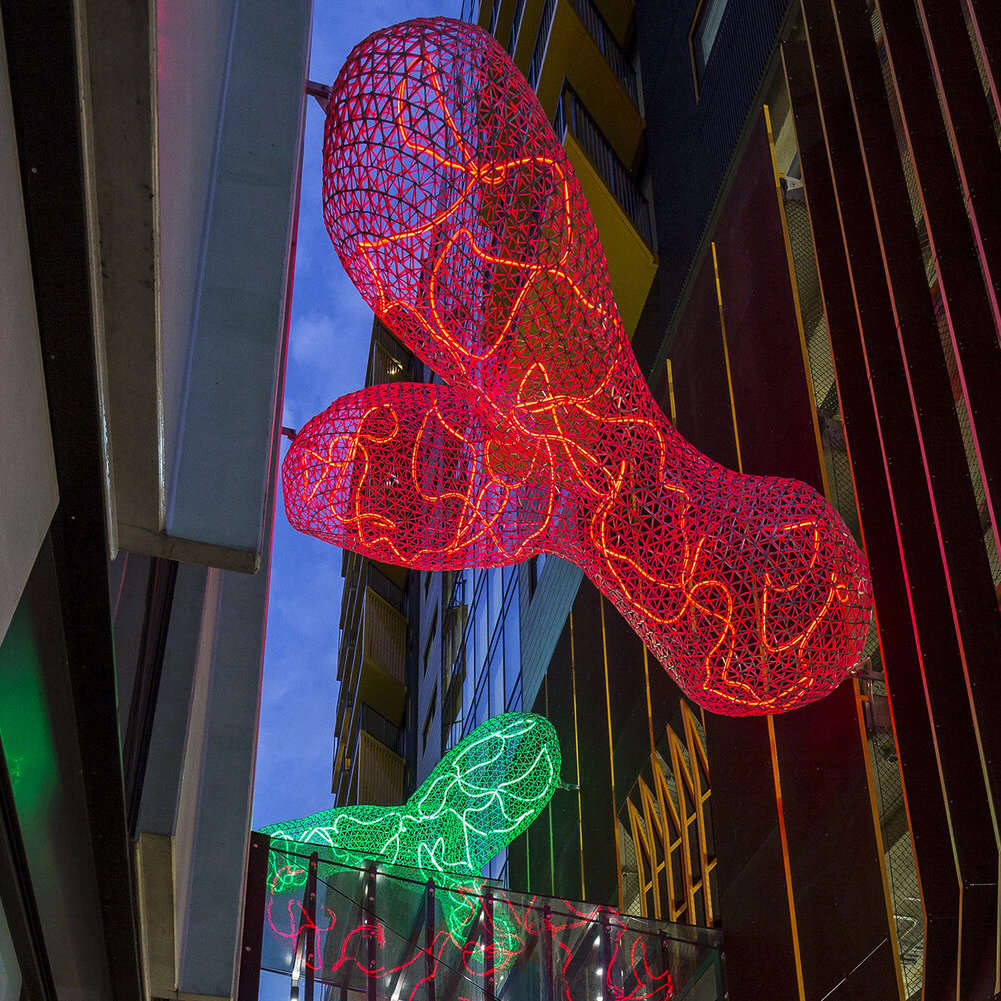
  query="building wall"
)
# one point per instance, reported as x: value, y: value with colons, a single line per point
x: 693, y: 124
x: 40, y: 746
x: 29, y: 496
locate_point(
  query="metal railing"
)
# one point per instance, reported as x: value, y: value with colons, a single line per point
x: 376, y: 725
x: 519, y: 13
x: 408, y: 935
x: 541, y: 41
x: 597, y: 27
x: 601, y: 34
x: 572, y: 116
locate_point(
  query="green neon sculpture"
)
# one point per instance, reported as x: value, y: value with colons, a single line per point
x: 482, y: 794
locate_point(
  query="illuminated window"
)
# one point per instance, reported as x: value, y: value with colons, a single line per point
x: 702, y: 37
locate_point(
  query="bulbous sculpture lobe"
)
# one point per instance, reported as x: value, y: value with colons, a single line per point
x: 459, y: 218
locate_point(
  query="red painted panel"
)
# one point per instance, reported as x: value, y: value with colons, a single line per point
x: 701, y: 394
x: 833, y: 855
x: 772, y: 398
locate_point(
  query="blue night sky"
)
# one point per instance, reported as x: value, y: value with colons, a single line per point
x: 328, y: 349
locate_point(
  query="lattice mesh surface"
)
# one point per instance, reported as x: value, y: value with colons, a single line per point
x: 458, y: 217
x: 483, y: 793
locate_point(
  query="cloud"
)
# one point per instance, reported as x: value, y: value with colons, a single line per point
x: 312, y: 339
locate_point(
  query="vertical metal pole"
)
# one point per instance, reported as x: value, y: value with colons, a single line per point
x: 372, y: 955
x: 430, y: 966
x: 309, y: 906
x: 665, y: 954
x: 255, y: 901
x: 606, y: 952
x: 547, y: 953
x: 489, y: 955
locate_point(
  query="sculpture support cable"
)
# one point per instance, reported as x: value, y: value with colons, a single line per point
x: 459, y: 218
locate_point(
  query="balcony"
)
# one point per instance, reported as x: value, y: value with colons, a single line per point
x: 361, y: 574
x: 378, y: 772
x: 602, y: 36
x: 388, y: 360
x: 574, y: 42
x: 621, y: 211
x: 488, y: 942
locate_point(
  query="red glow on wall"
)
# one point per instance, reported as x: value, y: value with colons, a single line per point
x: 457, y: 215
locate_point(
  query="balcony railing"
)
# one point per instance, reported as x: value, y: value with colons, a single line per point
x: 572, y: 116
x: 385, y: 931
x: 541, y: 41
x: 384, y: 731
x: 519, y: 13
x: 601, y: 35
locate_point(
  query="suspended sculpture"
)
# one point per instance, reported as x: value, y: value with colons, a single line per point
x: 483, y: 793
x: 459, y: 218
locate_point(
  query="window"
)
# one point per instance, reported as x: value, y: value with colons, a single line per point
x: 429, y: 719
x: 430, y: 640
x: 512, y: 649
x: 702, y: 37
x: 512, y: 42
x: 535, y: 565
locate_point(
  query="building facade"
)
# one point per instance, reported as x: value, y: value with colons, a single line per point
x: 794, y: 207
x: 150, y: 170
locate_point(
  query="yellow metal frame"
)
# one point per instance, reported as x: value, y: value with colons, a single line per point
x: 662, y: 829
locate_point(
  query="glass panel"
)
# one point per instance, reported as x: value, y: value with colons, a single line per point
x: 10, y: 971
x: 495, y: 595
x: 514, y: 699
x: 370, y: 925
x: 708, y: 28
x: 496, y: 672
x: 512, y: 646
x: 481, y: 630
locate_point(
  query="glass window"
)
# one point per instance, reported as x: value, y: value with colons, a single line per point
x: 705, y: 30
x: 480, y: 709
x: 512, y: 647
x: 430, y: 640
x: 496, y: 673
x: 467, y: 694
x: 10, y: 970
x: 482, y: 633
x: 514, y: 699
x: 495, y: 595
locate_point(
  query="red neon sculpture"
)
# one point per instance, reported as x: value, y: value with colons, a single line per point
x: 459, y: 218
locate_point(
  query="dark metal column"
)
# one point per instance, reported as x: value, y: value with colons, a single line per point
x: 489, y: 953
x: 370, y: 908
x: 547, y: 954
x: 309, y: 912
x: 430, y: 960
x: 255, y: 897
